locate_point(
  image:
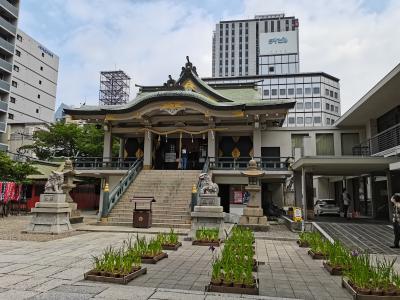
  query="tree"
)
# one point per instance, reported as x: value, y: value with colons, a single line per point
x: 67, y: 140
x: 11, y: 170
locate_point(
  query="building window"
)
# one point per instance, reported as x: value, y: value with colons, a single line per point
x: 324, y: 143
x: 331, y: 93
x: 299, y: 105
x: 336, y: 95
x: 327, y: 106
x: 290, y: 91
x: 317, y: 120
x: 336, y: 109
x: 278, y: 23
x: 282, y: 92
x: 12, y: 99
x: 274, y: 92
x: 18, y: 53
x: 19, y: 38
x: 266, y: 92
x: 317, y: 105
x: 11, y: 116
x: 271, y: 69
x: 328, y: 121
x: 300, y: 120
x: 308, y: 120
x: 291, y: 120
x: 307, y: 91
x: 308, y: 105
x: 38, y: 96
x: 326, y: 92
x: 332, y: 108
x: 16, y: 68
x: 299, y: 91
x: 41, y: 68
x: 42, y: 54
x: 14, y: 83
x: 316, y: 91
x: 272, y: 26
x: 37, y: 110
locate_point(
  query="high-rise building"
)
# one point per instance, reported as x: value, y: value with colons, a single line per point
x: 33, y: 83
x: 265, y: 51
x: 9, y: 10
x: 265, y: 45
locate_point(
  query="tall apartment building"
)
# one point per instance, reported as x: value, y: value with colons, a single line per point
x: 265, y: 45
x: 33, y: 83
x: 265, y: 50
x: 9, y: 10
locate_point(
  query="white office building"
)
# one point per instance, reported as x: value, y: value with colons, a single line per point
x: 9, y: 11
x: 265, y: 51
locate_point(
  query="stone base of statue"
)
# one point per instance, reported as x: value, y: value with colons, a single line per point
x: 75, y: 215
x: 208, y: 214
x: 253, y: 218
x: 50, y: 215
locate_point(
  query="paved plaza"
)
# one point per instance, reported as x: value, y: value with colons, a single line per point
x: 54, y: 270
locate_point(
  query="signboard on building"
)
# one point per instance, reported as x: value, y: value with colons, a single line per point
x: 237, y: 197
x: 272, y: 43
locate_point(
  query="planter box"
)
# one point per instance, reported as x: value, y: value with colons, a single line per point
x: 332, y: 270
x: 155, y: 259
x: 202, y: 243
x: 93, y: 275
x: 172, y: 247
x: 303, y: 244
x: 232, y: 289
x: 357, y: 296
x: 316, y: 255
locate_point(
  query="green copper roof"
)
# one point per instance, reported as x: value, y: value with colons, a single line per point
x: 241, y: 95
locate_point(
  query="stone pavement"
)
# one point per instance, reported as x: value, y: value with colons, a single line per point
x: 374, y: 238
x: 54, y: 270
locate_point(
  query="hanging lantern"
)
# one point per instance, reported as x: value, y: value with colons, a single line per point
x: 204, y: 136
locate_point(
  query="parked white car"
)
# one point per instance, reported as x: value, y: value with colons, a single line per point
x: 326, y: 207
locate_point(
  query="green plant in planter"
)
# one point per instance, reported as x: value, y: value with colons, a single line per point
x: 172, y: 237
x: 360, y: 272
x: 339, y: 256
x: 216, y: 270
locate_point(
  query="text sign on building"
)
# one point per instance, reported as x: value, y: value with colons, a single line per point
x: 272, y: 43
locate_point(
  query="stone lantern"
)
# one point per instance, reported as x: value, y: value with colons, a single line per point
x: 253, y: 215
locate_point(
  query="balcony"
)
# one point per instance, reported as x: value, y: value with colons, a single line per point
x: 3, y: 126
x: 241, y: 163
x: 7, y: 46
x: 380, y: 144
x: 5, y: 86
x: 5, y: 65
x: 9, y: 7
x: 100, y: 163
x: 3, y: 106
x: 8, y: 26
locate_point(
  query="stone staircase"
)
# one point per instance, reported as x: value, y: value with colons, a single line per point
x: 172, y: 190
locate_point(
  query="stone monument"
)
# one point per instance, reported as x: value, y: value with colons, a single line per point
x: 51, y: 213
x: 68, y: 185
x: 253, y: 215
x: 208, y: 212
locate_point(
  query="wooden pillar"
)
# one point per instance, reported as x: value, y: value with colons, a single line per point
x: 148, y: 145
x: 257, y: 142
x: 211, y: 143
x: 107, y: 145
x: 389, y: 193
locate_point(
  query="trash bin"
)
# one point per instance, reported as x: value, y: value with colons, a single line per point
x: 142, y: 212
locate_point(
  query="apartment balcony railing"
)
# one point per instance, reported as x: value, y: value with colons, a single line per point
x: 8, y: 6
x: 5, y: 65
x: 8, y: 26
x: 4, y: 85
x: 383, y: 141
x: 3, y: 126
x: 241, y: 163
x: 3, y: 106
x: 7, y: 46
x: 104, y: 163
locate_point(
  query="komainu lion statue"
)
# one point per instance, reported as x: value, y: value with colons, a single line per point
x: 207, y: 186
x: 54, y: 183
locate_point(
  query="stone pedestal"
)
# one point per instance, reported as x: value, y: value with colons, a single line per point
x: 208, y: 214
x: 75, y: 215
x: 50, y: 215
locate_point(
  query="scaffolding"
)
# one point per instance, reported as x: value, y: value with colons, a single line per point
x: 114, y: 88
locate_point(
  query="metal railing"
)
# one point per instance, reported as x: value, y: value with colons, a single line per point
x: 8, y: 6
x: 241, y: 163
x: 385, y: 140
x: 8, y: 26
x: 104, y: 163
x: 3, y: 126
x: 3, y: 106
x: 111, y: 198
x: 5, y: 65
x: 195, y: 196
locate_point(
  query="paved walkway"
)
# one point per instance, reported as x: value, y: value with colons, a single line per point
x: 374, y: 238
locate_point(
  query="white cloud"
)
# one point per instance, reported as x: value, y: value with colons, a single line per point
x: 150, y: 39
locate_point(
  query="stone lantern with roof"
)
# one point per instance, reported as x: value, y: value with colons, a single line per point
x: 253, y: 215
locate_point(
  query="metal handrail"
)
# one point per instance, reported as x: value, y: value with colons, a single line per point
x: 241, y: 163
x: 116, y: 193
x: 104, y: 162
x: 384, y: 140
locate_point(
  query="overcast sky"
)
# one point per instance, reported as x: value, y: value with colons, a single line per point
x: 354, y: 40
